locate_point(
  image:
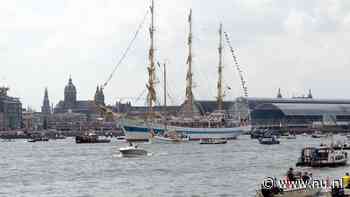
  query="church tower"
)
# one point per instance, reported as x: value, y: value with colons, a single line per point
x: 70, y: 94
x: 279, y: 95
x: 309, y: 94
x: 45, y: 108
x: 99, y: 97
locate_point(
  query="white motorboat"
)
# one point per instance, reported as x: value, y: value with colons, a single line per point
x: 164, y: 140
x: 168, y: 138
x: 269, y: 140
x: 132, y: 151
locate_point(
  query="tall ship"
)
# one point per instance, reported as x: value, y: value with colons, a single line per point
x: 217, y: 125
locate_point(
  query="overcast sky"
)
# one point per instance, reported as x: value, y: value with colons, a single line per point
x: 291, y: 44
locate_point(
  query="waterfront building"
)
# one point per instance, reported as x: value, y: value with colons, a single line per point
x: 68, y: 121
x: 304, y: 112
x: 33, y: 121
x: 10, y: 111
x: 70, y: 102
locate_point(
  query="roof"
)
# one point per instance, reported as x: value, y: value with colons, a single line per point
x: 296, y: 100
x: 313, y: 109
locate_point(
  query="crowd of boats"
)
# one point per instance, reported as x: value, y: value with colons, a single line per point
x: 332, y: 154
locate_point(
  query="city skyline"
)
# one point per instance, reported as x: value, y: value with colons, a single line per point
x: 292, y: 45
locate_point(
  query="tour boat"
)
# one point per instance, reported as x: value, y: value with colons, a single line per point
x: 90, y: 137
x: 324, y: 156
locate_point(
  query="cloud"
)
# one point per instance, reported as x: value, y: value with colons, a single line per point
x: 294, y: 45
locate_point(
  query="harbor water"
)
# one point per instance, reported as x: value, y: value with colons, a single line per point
x: 63, y: 168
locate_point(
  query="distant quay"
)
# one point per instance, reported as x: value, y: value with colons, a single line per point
x: 51, y: 134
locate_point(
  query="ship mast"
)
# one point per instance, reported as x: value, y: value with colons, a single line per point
x: 151, y: 97
x: 219, y: 85
x: 189, y: 85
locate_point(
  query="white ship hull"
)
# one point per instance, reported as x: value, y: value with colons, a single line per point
x: 142, y: 133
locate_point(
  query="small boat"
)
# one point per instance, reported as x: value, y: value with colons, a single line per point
x: 38, y: 139
x: 212, y: 141
x: 168, y: 138
x: 165, y: 140
x: 341, y: 146
x: 90, y: 138
x: 269, y: 140
x: 302, y: 192
x: 121, y: 138
x: 324, y: 156
x: 132, y: 151
x: 318, y: 134
x: 294, y: 184
x: 58, y: 137
x: 298, y: 192
x: 8, y: 140
x: 289, y: 137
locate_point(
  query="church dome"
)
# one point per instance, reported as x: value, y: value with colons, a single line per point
x: 70, y: 94
x: 70, y: 86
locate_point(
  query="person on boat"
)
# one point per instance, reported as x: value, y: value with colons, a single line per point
x: 305, y: 178
x: 130, y: 144
x: 290, y: 174
x: 346, y: 181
